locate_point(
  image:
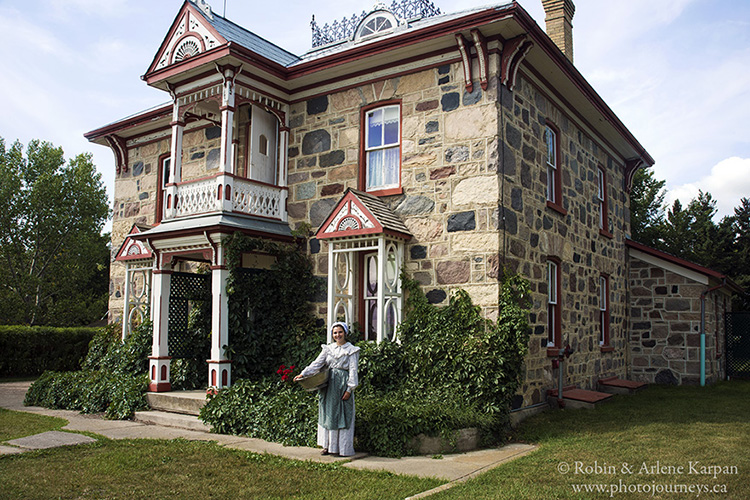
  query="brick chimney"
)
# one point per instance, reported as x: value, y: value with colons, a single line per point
x: 559, y: 22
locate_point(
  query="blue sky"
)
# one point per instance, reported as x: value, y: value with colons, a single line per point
x: 676, y: 72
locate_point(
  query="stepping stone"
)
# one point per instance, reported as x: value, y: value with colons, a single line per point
x: 51, y: 439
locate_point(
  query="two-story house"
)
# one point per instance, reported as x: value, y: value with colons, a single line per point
x: 454, y: 146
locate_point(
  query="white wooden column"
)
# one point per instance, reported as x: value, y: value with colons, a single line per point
x: 331, y: 289
x: 281, y: 179
x: 126, y: 300
x: 159, y: 360
x: 225, y: 183
x: 175, y: 163
x: 381, y: 288
x: 219, y: 367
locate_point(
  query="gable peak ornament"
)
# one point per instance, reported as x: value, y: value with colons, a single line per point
x: 202, y: 5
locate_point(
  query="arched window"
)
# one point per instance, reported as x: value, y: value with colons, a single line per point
x: 263, y: 145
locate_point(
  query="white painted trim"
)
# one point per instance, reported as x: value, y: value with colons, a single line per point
x: 669, y: 266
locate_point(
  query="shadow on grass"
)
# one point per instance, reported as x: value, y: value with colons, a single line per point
x: 720, y: 403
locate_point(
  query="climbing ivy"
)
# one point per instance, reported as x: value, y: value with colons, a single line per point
x: 270, y: 317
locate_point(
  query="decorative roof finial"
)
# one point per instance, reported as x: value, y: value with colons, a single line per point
x: 202, y: 5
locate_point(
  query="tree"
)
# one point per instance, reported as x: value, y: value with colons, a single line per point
x: 54, y: 259
x: 647, y: 208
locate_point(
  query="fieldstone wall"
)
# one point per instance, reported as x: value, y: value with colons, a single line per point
x: 665, y: 327
x: 474, y: 197
x: 531, y: 232
x: 135, y: 192
x: 448, y: 175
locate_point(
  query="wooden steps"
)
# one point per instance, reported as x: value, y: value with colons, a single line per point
x: 614, y: 385
x: 574, y: 398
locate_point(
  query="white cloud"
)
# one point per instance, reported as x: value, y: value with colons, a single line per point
x: 728, y: 182
x: 67, y: 9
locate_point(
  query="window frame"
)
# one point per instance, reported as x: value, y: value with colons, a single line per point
x: 554, y: 309
x: 604, y: 314
x: 555, y: 187
x: 365, y: 111
x: 603, y: 202
x: 161, y: 184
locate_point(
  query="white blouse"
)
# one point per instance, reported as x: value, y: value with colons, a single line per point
x: 345, y: 357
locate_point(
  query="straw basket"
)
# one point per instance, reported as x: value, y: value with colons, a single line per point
x: 316, y: 381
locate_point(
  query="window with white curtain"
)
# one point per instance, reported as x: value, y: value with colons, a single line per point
x: 383, y: 148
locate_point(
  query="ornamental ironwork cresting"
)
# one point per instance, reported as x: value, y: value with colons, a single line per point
x: 343, y: 30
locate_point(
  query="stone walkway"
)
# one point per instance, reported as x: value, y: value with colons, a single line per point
x: 453, y: 468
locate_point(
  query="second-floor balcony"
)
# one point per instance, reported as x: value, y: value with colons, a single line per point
x: 225, y: 193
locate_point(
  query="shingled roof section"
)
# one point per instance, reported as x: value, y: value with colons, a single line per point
x: 382, y: 213
x: 234, y: 33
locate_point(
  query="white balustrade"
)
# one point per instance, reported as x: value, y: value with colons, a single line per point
x: 248, y: 197
x: 196, y: 198
x: 257, y: 199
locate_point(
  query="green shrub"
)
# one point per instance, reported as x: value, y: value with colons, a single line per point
x: 386, y: 424
x: 30, y: 350
x: 265, y: 409
x: 114, y: 378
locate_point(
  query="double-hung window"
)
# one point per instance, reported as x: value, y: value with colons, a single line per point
x: 553, y: 304
x: 603, y: 311
x: 601, y: 197
x: 551, y: 139
x: 552, y: 161
x: 165, y: 162
x: 382, y: 151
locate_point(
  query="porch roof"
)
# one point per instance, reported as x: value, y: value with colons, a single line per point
x: 357, y: 214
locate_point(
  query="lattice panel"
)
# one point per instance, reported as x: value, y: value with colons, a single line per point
x: 187, y: 291
x: 738, y: 345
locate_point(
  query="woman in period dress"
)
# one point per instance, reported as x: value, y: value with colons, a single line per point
x: 336, y: 400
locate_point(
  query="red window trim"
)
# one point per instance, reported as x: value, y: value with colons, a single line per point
x: 556, y: 205
x: 362, y: 181
x: 606, y: 346
x: 159, y: 191
x: 604, y: 206
x: 553, y: 350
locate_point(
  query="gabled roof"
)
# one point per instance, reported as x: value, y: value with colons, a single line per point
x: 132, y: 249
x: 358, y: 214
x: 210, y: 31
x: 672, y: 259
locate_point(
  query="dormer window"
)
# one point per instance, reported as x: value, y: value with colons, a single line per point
x: 377, y: 23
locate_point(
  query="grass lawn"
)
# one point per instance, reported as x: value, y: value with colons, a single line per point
x: 663, y: 428
x: 16, y: 424
x: 181, y: 469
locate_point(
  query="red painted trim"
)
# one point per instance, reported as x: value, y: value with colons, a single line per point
x: 219, y: 228
x: 187, y: 34
x: 607, y: 341
x: 362, y: 181
x: 514, y: 51
x: 159, y: 190
x: 160, y: 358
x: 557, y: 307
x: 159, y: 387
x: 134, y: 121
x: 213, y: 268
x: 186, y: 11
x: 683, y: 263
x: 557, y: 208
x: 219, y: 362
x: 387, y: 192
x: 557, y: 203
x: 161, y: 271
x: 604, y: 216
x: 606, y: 348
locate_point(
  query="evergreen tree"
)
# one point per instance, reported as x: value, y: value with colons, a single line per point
x: 647, y: 208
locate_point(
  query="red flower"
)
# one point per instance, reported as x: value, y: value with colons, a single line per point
x: 284, y: 377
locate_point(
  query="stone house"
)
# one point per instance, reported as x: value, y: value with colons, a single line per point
x: 677, y: 327
x: 456, y: 146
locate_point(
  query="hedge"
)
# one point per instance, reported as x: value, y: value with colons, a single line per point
x: 31, y: 350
